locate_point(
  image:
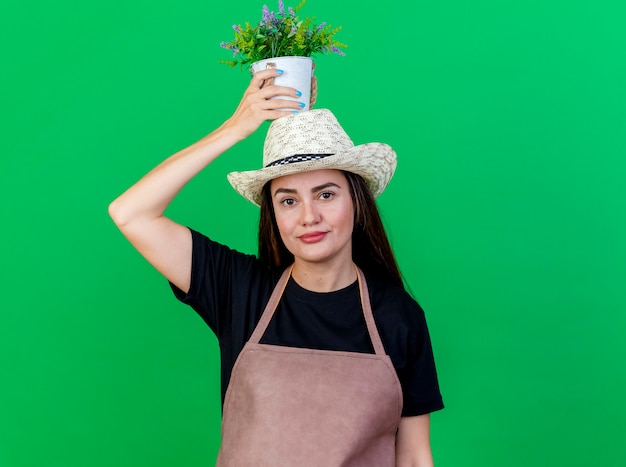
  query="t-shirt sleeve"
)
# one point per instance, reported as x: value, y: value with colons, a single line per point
x: 216, y: 270
x: 407, y: 340
x: 418, y: 378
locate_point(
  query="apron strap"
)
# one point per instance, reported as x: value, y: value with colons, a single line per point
x: 368, y: 314
x: 272, y: 303
x: 271, y: 306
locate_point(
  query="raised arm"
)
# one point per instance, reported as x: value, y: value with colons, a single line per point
x: 138, y: 212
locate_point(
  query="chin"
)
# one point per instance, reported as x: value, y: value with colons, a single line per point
x: 318, y: 257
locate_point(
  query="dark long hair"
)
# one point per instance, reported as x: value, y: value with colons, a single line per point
x: 371, y: 250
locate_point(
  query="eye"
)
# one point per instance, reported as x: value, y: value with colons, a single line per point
x: 326, y: 195
x: 288, y: 202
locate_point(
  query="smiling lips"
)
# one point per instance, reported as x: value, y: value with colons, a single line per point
x: 312, y: 237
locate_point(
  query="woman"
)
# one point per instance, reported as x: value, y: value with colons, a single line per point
x: 326, y: 360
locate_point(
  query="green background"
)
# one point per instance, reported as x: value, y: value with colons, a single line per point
x: 506, y: 214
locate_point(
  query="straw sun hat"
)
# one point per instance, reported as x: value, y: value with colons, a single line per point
x: 314, y: 140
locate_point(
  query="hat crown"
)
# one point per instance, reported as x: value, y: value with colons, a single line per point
x: 311, y: 132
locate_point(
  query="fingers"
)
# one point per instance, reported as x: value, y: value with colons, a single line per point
x: 313, y: 87
x: 263, y: 101
x: 275, y: 91
x: 268, y: 103
x: 267, y: 82
x: 286, y: 104
x: 262, y: 86
x: 264, y: 78
x: 313, y: 92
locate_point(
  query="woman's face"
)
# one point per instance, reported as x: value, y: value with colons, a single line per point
x: 315, y: 215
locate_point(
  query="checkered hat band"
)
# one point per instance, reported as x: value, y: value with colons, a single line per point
x: 297, y: 158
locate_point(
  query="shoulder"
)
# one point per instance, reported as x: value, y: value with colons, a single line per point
x: 228, y: 288
x: 224, y: 259
x: 203, y: 243
x: 225, y: 271
x: 392, y: 299
x: 400, y: 320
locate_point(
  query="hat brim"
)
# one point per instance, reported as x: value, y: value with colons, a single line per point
x: 375, y: 162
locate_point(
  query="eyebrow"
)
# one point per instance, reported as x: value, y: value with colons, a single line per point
x: 313, y: 190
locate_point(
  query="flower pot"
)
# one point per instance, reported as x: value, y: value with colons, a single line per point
x: 297, y: 73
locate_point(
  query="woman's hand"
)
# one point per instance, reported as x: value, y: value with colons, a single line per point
x: 257, y: 104
x: 313, y: 89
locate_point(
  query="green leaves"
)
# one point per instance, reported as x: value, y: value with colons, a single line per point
x: 281, y: 34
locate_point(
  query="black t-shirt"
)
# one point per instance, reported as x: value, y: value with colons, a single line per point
x: 229, y: 290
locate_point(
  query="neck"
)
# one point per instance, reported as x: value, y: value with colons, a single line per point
x: 323, y: 277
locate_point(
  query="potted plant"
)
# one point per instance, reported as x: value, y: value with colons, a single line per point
x: 282, y: 40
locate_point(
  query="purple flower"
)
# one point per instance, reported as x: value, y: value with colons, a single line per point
x: 281, y: 7
x: 235, y: 51
x: 236, y: 27
x: 321, y: 26
x: 337, y: 51
x: 294, y: 30
x: 224, y: 45
x: 291, y: 11
x: 266, y: 14
x: 268, y: 17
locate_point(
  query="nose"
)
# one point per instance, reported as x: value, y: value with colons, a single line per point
x: 310, y: 214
